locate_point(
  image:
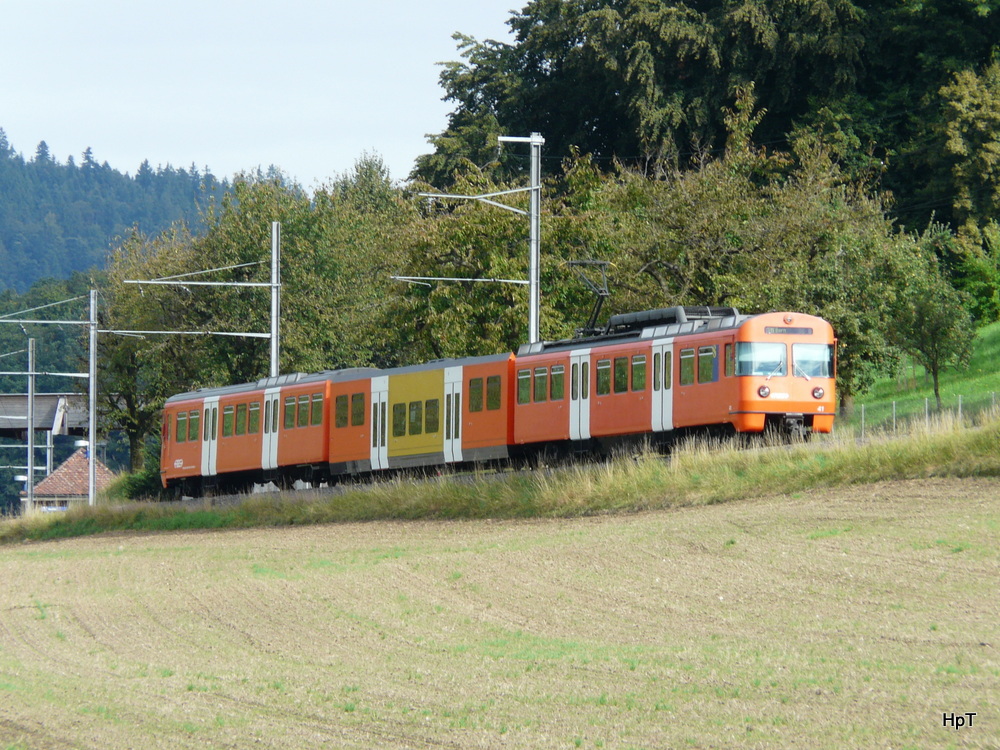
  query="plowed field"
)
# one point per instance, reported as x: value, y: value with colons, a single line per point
x: 851, y: 618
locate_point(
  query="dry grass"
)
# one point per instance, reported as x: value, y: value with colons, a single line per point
x: 697, y: 472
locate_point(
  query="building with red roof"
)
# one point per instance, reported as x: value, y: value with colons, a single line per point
x: 69, y: 484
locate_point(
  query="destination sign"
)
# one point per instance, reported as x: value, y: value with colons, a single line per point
x: 788, y: 331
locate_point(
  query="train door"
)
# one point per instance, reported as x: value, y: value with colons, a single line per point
x: 380, y: 413
x: 579, y: 395
x: 269, y: 445
x: 663, y: 393
x: 210, y: 437
x: 452, y: 414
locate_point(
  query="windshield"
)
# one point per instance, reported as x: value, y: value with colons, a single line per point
x: 768, y: 360
x: 813, y: 360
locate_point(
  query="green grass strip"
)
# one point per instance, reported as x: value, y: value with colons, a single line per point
x: 697, y: 473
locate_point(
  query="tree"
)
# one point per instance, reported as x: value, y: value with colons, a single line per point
x: 895, y: 91
x: 972, y: 143
x: 931, y: 323
x: 467, y: 239
x: 138, y: 373
x: 42, y: 154
x: 238, y: 238
x: 759, y: 231
x: 645, y: 81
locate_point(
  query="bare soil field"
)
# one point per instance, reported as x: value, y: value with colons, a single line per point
x: 863, y: 617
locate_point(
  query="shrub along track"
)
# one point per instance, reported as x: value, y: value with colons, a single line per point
x: 836, y: 618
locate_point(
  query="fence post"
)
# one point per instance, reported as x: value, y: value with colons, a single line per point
x: 927, y: 413
x: 893, y: 417
x: 862, y: 421
x: 960, y: 411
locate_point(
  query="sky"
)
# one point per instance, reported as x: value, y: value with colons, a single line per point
x: 309, y: 86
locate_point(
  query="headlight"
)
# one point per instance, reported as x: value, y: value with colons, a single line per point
x: 763, y: 391
x: 818, y: 393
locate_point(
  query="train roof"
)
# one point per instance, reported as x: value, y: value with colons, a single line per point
x: 334, y: 376
x: 648, y: 324
x: 437, y: 364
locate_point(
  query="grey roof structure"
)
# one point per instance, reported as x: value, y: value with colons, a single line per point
x: 62, y: 413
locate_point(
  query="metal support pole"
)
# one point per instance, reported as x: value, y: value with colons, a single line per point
x: 275, y: 293
x: 92, y: 417
x: 31, y: 425
x: 535, y: 140
x: 535, y: 236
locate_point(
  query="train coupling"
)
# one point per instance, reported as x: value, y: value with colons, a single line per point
x: 794, y: 424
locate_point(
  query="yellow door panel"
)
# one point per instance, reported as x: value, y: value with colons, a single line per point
x: 416, y: 413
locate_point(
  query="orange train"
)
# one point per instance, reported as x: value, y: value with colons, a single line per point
x: 648, y: 376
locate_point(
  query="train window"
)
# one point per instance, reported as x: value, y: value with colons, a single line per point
x: 208, y: 423
x: 493, y: 392
x: 194, y: 419
x: 812, y: 360
x: 432, y: 415
x: 340, y: 411
x: 558, y: 386
x: 447, y: 416
x: 227, y: 421
x: 267, y: 417
x: 182, y: 431
x: 687, y: 366
x: 667, y: 371
x: 656, y: 371
x: 253, y: 423
x: 476, y: 394
x: 730, y: 361
x: 523, y: 386
x: 639, y: 372
x: 706, y: 363
x: 289, y: 412
x: 241, y: 419
x: 416, y: 417
x: 316, y: 410
x: 603, y: 377
x: 585, y: 381
x: 574, y: 382
x: 541, y: 384
x: 398, y: 420
x: 358, y: 410
x: 458, y: 416
x: 764, y: 359
x: 303, y: 416
x: 621, y: 374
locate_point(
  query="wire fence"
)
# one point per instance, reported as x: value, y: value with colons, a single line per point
x: 915, y: 411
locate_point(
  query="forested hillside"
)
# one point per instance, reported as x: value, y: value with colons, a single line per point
x: 57, y: 218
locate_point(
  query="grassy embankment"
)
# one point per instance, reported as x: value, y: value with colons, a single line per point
x: 698, y: 473
x: 978, y: 386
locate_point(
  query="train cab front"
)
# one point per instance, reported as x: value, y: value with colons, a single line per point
x: 785, y: 369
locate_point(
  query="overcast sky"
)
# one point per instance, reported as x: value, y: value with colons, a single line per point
x: 307, y: 85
